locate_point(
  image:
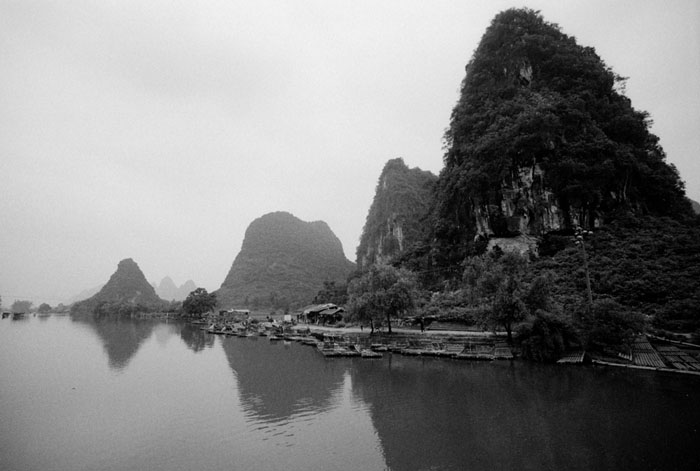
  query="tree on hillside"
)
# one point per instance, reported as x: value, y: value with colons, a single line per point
x: 382, y: 292
x: 198, y: 302
x: 21, y: 306
x: 332, y: 293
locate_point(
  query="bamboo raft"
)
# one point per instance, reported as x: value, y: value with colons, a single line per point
x: 572, y: 357
x: 643, y: 354
x: 502, y: 351
x: 678, y: 358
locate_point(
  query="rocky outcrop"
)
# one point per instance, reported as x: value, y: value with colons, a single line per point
x: 526, y: 206
x: 283, y: 262
x: 396, y: 219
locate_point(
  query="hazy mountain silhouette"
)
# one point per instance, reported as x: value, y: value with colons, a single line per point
x: 126, y: 292
x: 283, y: 261
x: 168, y: 291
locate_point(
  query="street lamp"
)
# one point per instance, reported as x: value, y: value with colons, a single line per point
x: 579, y: 240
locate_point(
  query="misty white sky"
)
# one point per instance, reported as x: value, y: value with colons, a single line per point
x: 159, y: 130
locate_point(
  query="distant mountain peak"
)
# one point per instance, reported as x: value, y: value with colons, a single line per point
x: 168, y: 290
x: 127, y: 286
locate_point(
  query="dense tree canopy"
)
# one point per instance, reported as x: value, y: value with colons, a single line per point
x: 21, y: 306
x: 332, y: 292
x: 44, y: 308
x: 382, y: 292
x: 501, y: 285
x: 199, y: 302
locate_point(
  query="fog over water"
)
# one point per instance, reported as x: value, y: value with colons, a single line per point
x: 159, y: 131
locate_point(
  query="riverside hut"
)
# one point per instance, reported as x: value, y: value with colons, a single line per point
x: 322, y: 314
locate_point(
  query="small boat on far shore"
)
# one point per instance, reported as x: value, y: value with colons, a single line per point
x: 368, y: 353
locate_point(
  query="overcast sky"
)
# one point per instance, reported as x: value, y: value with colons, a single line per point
x: 158, y: 130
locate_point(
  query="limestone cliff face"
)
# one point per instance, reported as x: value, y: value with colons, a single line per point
x: 396, y: 218
x: 283, y: 262
x: 524, y: 210
x: 524, y: 205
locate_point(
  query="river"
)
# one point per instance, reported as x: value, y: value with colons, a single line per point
x: 148, y: 395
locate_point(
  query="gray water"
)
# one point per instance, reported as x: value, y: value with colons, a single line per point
x: 166, y: 396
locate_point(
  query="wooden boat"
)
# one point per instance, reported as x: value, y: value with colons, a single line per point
x: 367, y: 353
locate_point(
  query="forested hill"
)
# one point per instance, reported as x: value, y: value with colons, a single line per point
x: 396, y: 220
x: 126, y: 292
x: 546, y: 156
x: 283, y: 262
x: 543, y: 139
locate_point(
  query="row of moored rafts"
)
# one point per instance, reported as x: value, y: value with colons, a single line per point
x: 330, y: 345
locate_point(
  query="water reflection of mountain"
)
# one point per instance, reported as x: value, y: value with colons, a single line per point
x: 121, y: 338
x: 276, y: 381
x: 503, y: 416
x: 195, y: 338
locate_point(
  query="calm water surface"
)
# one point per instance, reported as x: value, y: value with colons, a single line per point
x: 156, y: 396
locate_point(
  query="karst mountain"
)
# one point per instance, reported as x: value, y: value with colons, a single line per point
x: 283, y: 262
x: 126, y: 292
